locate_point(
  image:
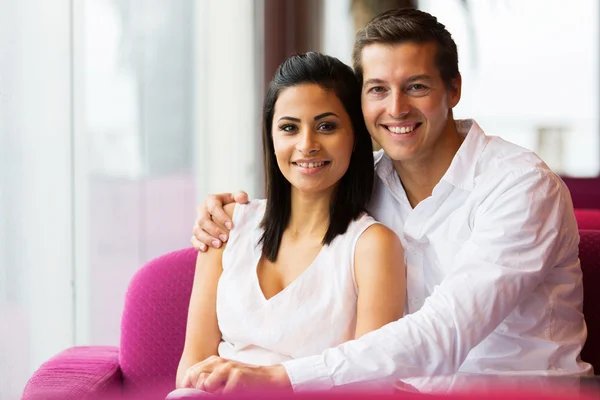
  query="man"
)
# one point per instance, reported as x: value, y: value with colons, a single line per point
x: 494, y: 281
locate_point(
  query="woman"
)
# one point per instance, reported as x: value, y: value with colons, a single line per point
x: 306, y: 269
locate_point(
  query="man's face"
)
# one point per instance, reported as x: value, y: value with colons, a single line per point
x: 405, y: 102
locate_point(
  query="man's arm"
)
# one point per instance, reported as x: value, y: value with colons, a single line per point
x: 213, y: 224
x: 516, y: 240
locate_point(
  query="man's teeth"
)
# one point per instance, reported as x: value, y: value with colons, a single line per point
x: 401, y: 129
x: 311, y: 164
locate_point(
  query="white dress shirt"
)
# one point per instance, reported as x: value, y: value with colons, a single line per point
x: 494, y: 284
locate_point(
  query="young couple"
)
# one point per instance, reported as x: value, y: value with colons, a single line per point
x: 307, y: 291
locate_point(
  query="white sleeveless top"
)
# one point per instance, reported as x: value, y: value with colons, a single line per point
x: 315, y: 312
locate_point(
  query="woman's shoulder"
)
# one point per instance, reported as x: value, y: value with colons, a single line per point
x: 375, y: 235
x: 246, y: 213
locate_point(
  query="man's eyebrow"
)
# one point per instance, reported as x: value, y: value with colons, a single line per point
x: 325, y: 114
x: 373, y: 81
x: 421, y: 77
x: 290, y: 119
x: 413, y: 78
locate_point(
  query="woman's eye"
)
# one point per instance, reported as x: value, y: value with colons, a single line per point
x: 327, y: 126
x: 287, y: 128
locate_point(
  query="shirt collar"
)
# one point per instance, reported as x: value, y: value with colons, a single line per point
x: 461, y: 172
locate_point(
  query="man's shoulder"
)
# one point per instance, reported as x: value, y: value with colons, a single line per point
x: 507, y: 168
x: 501, y: 160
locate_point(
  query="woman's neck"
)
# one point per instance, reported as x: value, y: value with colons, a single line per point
x: 309, y: 216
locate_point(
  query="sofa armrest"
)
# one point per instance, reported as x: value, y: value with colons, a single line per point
x: 77, y: 373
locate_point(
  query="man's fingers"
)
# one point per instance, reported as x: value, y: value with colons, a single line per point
x: 215, y: 382
x: 204, y: 367
x: 198, y: 245
x: 213, y: 224
x: 200, y: 381
x: 186, y: 380
x: 234, y: 381
x: 190, y: 379
x: 210, y: 234
x: 214, y: 206
x: 240, y: 197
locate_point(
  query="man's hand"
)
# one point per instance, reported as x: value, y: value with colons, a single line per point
x: 218, y: 375
x: 212, y: 224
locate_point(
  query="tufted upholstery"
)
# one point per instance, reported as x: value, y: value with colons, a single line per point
x: 589, y: 255
x: 152, y: 336
x: 154, y: 320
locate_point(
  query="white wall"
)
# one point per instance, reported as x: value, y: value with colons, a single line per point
x: 338, y: 30
x: 62, y: 228
x: 37, y: 258
x: 228, y: 97
x: 125, y: 213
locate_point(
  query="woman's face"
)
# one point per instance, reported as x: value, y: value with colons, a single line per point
x: 312, y: 136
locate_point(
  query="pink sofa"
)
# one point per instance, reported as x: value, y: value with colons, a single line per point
x: 585, y: 192
x: 152, y: 336
x: 153, y: 327
x: 588, y: 218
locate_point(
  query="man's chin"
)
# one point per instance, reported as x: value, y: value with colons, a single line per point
x: 397, y: 154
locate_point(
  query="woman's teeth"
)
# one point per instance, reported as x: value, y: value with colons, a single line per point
x: 401, y: 129
x: 311, y: 164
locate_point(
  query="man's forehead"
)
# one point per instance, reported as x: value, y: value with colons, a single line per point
x: 401, y: 60
x: 419, y: 52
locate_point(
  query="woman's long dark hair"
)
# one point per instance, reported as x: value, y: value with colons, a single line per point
x: 353, y: 191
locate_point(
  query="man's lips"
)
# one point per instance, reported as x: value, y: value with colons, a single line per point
x: 402, y: 129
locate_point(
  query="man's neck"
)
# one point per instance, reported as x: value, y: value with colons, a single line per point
x: 419, y: 177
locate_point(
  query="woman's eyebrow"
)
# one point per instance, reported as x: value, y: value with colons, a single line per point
x: 325, y: 114
x: 290, y: 119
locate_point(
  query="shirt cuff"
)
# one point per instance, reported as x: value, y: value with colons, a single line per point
x: 308, y: 374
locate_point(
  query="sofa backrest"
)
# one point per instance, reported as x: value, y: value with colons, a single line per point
x: 585, y: 192
x: 588, y: 218
x: 154, y: 321
x: 589, y: 255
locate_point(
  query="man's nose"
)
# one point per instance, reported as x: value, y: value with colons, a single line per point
x: 399, y: 105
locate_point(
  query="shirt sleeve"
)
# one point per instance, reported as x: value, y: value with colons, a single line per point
x: 521, y: 231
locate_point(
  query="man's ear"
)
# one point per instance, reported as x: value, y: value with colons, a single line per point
x: 454, y: 91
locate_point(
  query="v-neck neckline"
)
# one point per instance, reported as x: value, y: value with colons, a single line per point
x: 257, y: 258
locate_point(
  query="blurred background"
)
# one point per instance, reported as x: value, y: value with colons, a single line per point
x: 117, y: 117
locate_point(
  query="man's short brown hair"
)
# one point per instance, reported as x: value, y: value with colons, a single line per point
x: 408, y: 25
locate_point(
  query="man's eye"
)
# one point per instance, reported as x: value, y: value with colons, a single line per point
x: 417, y: 87
x: 377, y: 89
